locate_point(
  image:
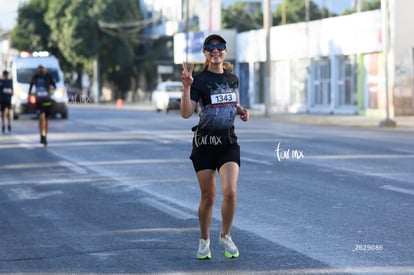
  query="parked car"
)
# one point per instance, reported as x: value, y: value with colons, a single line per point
x: 75, y: 95
x: 167, y: 96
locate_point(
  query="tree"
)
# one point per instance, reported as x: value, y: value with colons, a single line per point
x: 295, y: 11
x: 366, y: 6
x: 31, y: 32
x: 71, y: 31
x: 78, y: 33
x: 118, y: 36
x: 237, y: 17
x: 70, y: 23
x: 371, y: 5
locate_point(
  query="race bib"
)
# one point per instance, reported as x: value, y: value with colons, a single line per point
x: 7, y: 90
x: 223, y: 98
x: 42, y: 93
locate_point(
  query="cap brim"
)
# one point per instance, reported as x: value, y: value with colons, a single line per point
x: 214, y: 37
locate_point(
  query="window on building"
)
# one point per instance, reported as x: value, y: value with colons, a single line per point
x: 299, y: 73
x: 372, y: 62
x: 244, y: 84
x: 259, y: 82
x: 321, y: 82
x: 346, y: 84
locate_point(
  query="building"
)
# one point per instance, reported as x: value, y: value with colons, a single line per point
x: 334, y: 65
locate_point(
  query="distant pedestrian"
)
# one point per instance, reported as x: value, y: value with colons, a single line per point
x: 44, y: 84
x: 6, y: 92
x: 215, y: 146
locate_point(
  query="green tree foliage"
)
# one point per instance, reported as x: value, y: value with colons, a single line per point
x: 117, y: 39
x: 71, y: 23
x: 71, y: 29
x: 366, y: 6
x: 292, y: 11
x: 238, y: 17
x: 31, y: 32
x: 77, y: 32
x: 371, y: 5
x: 295, y: 11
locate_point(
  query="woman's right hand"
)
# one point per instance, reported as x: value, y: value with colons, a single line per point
x: 187, y: 75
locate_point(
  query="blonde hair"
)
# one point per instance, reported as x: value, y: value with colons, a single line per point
x: 205, y: 64
x: 227, y: 66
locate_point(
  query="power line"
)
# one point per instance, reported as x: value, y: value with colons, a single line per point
x: 125, y: 28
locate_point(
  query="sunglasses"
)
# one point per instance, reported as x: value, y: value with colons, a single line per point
x: 211, y: 47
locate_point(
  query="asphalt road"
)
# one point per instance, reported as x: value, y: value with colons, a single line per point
x: 115, y: 193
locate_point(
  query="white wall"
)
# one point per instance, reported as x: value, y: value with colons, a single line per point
x: 195, y: 42
x: 251, y: 46
x: 356, y: 33
x: 402, y: 45
x: 345, y: 35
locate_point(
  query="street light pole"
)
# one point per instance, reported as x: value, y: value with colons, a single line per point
x: 187, y: 28
x: 388, y: 122
x: 267, y: 24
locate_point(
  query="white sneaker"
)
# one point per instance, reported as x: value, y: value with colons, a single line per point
x: 230, y: 249
x: 204, y: 250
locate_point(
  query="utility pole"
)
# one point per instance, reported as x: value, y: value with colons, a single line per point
x: 187, y: 28
x: 267, y: 24
x: 307, y: 11
x: 388, y: 122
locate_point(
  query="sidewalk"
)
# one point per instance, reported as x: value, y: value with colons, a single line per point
x: 404, y: 123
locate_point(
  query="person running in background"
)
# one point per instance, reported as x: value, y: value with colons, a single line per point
x: 44, y: 84
x: 6, y: 92
x: 215, y: 146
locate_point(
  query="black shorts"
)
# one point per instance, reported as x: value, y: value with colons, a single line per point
x: 44, y: 106
x: 4, y: 105
x: 213, y: 157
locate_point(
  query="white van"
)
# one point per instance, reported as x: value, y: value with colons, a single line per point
x: 22, y: 70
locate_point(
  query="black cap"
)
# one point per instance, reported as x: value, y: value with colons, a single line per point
x: 212, y: 37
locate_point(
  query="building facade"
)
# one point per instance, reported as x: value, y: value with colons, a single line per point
x: 334, y: 65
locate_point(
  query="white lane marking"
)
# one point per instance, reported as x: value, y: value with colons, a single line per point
x: 27, y: 193
x: 367, y: 156
x: 157, y: 230
x: 93, y: 163
x: 167, y: 209
x: 103, y: 128
x: 53, y: 181
x: 75, y: 168
x: 69, y: 165
x: 257, y: 161
x: 398, y: 189
x: 25, y: 142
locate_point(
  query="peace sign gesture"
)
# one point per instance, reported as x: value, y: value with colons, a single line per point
x: 187, y: 75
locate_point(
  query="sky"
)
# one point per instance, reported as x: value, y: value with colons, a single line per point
x: 8, y: 13
x: 337, y: 6
x: 8, y: 10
